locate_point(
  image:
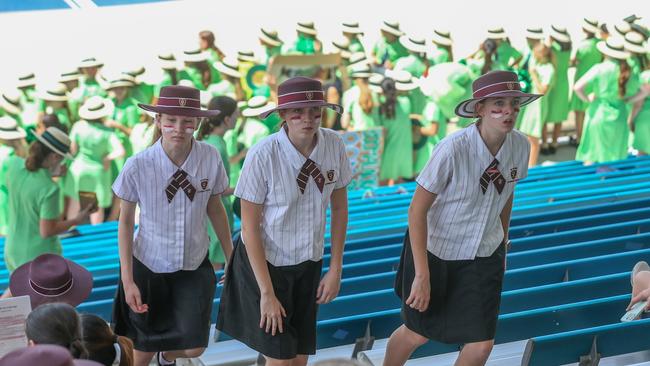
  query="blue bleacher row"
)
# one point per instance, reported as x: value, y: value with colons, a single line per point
x: 576, y: 231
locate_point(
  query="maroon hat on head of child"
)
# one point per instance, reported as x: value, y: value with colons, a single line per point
x: 301, y: 92
x: 177, y: 100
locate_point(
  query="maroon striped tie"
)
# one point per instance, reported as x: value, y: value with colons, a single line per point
x: 309, y: 168
x: 180, y: 181
x: 492, y: 174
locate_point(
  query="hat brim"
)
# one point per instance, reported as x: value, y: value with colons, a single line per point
x: 270, y: 41
x: 413, y: 47
x: 121, y: 84
x: 303, y: 104
x: 256, y: 111
x: 590, y: 28
x: 352, y: 30
x: 67, y: 79
x: 10, y: 108
x: 107, y: 111
x: 25, y: 84
x: 246, y: 59
x: 535, y: 36
x: 392, y: 31
x: 52, y: 98
x: 630, y: 47
x: 441, y: 40
x: 195, y: 58
x: 90, y: 64
x: 560, y: 37
x: 51, y: 147
x: 178, y: 111
x: 619, y: 55
x: 81, y: 287
x: 305, y: 30
x: 19, y: 133
x: 226, y: 70
x: 467, y: 108
x: 168, y: 64
x: 405, y: 86
x: 495, y: 36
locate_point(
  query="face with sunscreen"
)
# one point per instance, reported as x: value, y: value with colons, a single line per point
x: 177, y: 130
x: 498, y: 113
x: 302, y: 122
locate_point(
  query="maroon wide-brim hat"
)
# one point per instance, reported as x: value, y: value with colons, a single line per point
x: 301, y: 92
x: 51, y: 278
x: 177, y: 100
x: 43, y: 354
x: 494, y: 84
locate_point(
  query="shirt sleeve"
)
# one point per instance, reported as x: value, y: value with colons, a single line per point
x: 524, y: 163
x: 252, y: 184
x: 221, y: 182
x: 125, y: 186
x: 345, y: 170
x: 437, y: 174
x: 51, y: 205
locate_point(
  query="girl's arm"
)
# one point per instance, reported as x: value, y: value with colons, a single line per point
x: 219, y: 221
x: 271, y: 310
x: 417, y: 221
x: 125, y: 245
x: 331, y: 282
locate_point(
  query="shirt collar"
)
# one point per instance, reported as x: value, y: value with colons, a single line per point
x: 482, y: 151
x: 191, y: 164
x: 295, y: 157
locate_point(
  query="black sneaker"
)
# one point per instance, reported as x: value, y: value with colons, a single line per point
x: 552, y: 149
x: 573, y: 141
x: 544, y: 150
x: 159, y: 356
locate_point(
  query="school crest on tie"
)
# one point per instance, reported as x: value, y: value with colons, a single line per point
x: 330, y: 175
x: 204, y: 183
x: 182, y: 102
x: 513, y: 173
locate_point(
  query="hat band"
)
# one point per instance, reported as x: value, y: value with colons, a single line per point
x: 56, y: 94
x: 15, y: 104
x: 498, y: 87
x: 179, y: 102
x: 303, y: 96
x: 54, y: 142
x: 6, y: 129
x: 52, y: 292
x: 97, y: 108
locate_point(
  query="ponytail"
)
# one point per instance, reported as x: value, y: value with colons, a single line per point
x: 77, y: 349
x: 365, y: 97
x: 37, y: 154
x: 623, y: 77
x: 387, y: 108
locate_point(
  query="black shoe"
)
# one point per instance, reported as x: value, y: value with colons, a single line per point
x: 159, y: 356
x: 544, y: 150
x: 552, y: 149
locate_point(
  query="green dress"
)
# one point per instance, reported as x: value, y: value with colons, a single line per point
x: 6, y: 153
x: 141, y: 136
x: 216, y: 252
x: 534, y: 114
x: 359, y: 120
x: 94, y: 142
x: 224, y: 87
x: 33, y: 196
x: 587, y: 55
x: 87, y: 88
x: 506, y: 55
x: 605, y: 136
x: 558, y: 94
x: 273, y: 122
x: 397, y: 159
x: 303, y: 45
x: 432, y: 114
x: 356, y: 46
x: 126, y: 113
x: 641, y: 140
x: 438, y: 55
x: 143, y: 92
x: 385, y: 51
x: 269, y: 53
x: 254, y: 131
x: 192, y: 74
x: 233, y: 148
x: 213, y: 57
x: 411, y: 63
x: 452, y: 83
x: 166, y: 80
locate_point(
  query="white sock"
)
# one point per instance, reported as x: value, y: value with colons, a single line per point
x: 163, y: 361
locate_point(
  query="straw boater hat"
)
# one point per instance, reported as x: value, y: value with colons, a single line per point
x: 622, y: 28
x: 590, y: 25
x: 10, y: 102
x: 358, y: 58
x: 441, y: 37
x: 26, y: 80
x: 136, y: 71
x: 246, y: 56
x: 55, y: 93
x: 122, y: 81
x: 391, y: 27
x: 306, y: 28
x: 614, y: 47
x: 560, y: 34
x: 374, y: 82
x: 342, y: 45
x: 496, y: 33
x: 90, y: 62
x: 195, y: 56
x: 9, y: 129
x: 50, y: 277
x: 228, y: 66
x: 96, y: 108
x: 167, y: 61
x: 257, y: 105
x: 414, y: 44
x: 301, y: 92
x: 67, y: 76
x: 352, y: 28
x: 270, y: 37
x: 179, y: 100
x: 360, y: 71
x: 403, y: 80
x: 634, y: 43
x: 494, y: 84
x: 535, y: 33
x: 43, y: 354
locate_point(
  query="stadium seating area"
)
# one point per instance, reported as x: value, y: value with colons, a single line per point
x: 576, y: 230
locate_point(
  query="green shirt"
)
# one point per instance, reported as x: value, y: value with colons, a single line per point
x: 359, y: 119
x: 254, y: 131
x: 143, y: 93
x: 587, y: 55
x: 506, y: 55
x: 213, y: 57
x: 224, y: 87
x: 356, y: 46
x: 94, y: 142
x: 385, y: 51
x: 269, y: 53
x: 439, y: 55
x: 141, y: 136
x: 411, y: 63
x: 304, y: 45
x: 87, y: 88
x: 192, y: 74
x: 5, y: 153
x: 33, y: 196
